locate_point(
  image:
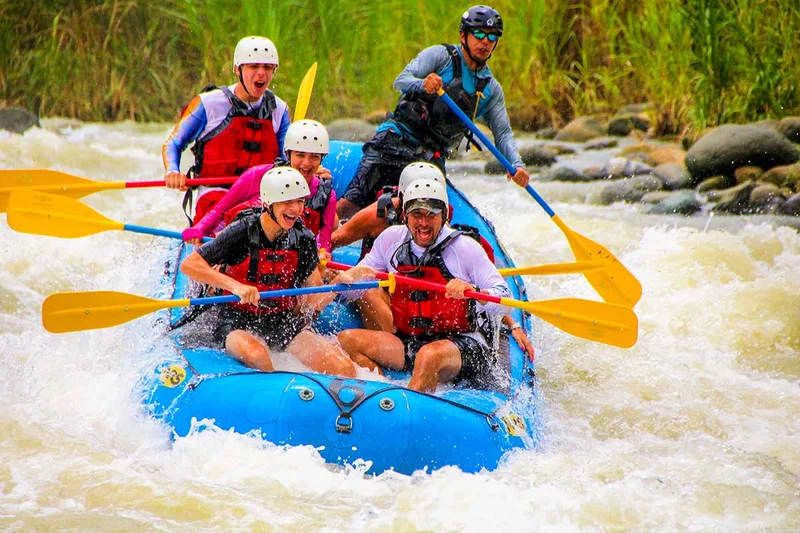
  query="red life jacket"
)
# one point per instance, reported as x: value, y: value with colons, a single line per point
x: 244, y: 139
x: 239, y: 210
x: 418, y: 311
x: 267, y: 270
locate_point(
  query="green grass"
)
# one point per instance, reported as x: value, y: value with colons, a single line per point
x: 703, y: 62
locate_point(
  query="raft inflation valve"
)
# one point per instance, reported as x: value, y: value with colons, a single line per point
x: 306, y: 394
x: 387, y: 404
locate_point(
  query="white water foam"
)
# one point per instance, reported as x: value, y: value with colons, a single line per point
x: 694, y: 428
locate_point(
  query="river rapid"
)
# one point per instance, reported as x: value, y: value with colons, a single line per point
x: 696, y: 428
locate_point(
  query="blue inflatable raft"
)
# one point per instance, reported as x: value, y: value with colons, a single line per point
x: 349, y: 420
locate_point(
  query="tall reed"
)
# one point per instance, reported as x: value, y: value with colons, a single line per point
x: 702, y: 62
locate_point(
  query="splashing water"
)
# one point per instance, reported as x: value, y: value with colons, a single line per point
x: 695, y: 428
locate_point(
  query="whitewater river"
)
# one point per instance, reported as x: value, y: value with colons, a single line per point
x: 696, y: 428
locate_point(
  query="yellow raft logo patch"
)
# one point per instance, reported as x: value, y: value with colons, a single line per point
x: 515, y: 425
x: 173, y: 375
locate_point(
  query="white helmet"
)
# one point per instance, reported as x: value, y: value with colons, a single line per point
x: 280, y: 184
x: 426, y: 194
x: 307, y: 136
x: 419, y: 171
x: 255, y: 50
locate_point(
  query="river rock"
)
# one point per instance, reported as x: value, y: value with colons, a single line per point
x: 683, y: 202
x: 17, y: 119
x: 537, y: 156
x: 735, y: 200
x: 603, y: 143
x: 673, y: 176
x: 790, y: 127
x: 766, y: 198
x: 655, y: 197
x: 731, y: 146
x: 747, y: 173
x: 375, y: 117
x: 546, y: 133
x: 630, y: 189
x: 563, y: 174
x: 657, y: 154
x: 350, y: 129
x: 581, y: 130
x: 619, y: 167
x: 792, y: 206
x: 784, y: 176
x: 714, y: 183
x: 622, y: 125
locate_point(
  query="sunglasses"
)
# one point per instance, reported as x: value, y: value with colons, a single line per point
x: 480, y: 34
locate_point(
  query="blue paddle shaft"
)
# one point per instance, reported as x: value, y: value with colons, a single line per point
x: 157, y: 232
x: 492, y: 148
x: 342, y: 287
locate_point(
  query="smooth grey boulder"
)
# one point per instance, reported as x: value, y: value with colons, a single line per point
x: 351, y: 129
x: 581, y: 130
x: 790, y: 127
x: 683, y: 202
x: 17, y: 119
x: 673, y: 176
x: 726, y: 148
x: 630, y: 190
x: 537, y: 156
x: 563, y: 174
x: 791, y: 206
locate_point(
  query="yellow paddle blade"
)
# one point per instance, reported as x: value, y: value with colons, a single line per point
x: 47, y: 214
x: 557, y: 268
x: 78, y: 311
x: 614, y: 283
x: 304, y: 93
x: 49, y: 181
x: 616, y: 325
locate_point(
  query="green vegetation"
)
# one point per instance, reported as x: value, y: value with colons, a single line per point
x: 703, y: 62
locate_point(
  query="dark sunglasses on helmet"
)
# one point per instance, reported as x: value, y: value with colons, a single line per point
x: 480, y: 34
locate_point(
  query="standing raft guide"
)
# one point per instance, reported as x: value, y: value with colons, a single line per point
x: 387, y: 418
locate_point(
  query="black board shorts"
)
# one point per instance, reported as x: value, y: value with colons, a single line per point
x: 276, y: 330
x: 477, y: 359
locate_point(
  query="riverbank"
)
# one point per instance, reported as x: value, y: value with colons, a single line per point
x: 701, y: 62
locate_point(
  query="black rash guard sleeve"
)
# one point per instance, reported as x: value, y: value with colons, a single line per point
x: 230, y: 247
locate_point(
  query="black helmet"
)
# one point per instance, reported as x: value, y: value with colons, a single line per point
x: 481, y: 17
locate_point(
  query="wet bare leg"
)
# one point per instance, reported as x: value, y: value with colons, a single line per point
x: 371, y: 349
x: 249, y: 349
x: 436, y: 362
x: 321, y: 355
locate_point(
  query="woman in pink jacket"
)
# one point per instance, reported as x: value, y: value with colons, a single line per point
x: 306, y: 145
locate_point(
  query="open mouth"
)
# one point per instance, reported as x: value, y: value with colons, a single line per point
x: 289, y: 220
x: 259, y: 84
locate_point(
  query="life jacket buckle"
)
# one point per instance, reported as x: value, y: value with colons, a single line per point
x: 419, y: 296
x: 255, y: 125
x: 251, y: 146
x: 420, y: 322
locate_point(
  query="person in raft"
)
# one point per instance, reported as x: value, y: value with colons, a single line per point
x: 263, y: 252
x: 422, y: 127
x: 442, y: 335
x: 306, y: 145
x: 233, y: 127
x: 370, y: 222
